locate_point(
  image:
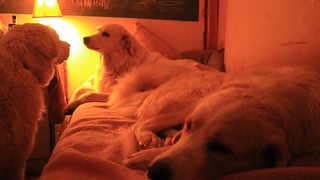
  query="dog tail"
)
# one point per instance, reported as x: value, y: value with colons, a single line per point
x: 128, y: 106
x: 131, y: 91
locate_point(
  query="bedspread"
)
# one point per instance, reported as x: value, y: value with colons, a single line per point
x: 97, y: 140
x: 93, y: 146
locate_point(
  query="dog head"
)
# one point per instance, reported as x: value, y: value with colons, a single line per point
x: 38, y: 47
x: 111, y: 38
x: 229, y: 131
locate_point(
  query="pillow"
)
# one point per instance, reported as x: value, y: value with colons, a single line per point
x: 216, y: 60
x: 211, y: 58
x: 154, y: 43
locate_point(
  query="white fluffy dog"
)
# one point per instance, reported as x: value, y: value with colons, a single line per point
x: 257, y: 119
x: 29, y: 53
x: 130, y: 66
x: 168, y: 105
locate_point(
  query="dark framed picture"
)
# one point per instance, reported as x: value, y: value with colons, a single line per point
x: 184, y: 10
x: 16, y: 6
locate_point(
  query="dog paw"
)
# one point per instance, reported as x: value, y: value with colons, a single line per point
x: 137, y: 161
x: 168, y: 141
x: 147, y: 140
x: 142, y: 159
x: 71, y: 107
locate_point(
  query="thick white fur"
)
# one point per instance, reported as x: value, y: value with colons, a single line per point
x: 126, y: 69
x: 169, y: 104
x: 29, y: 54
x: 260, y: 118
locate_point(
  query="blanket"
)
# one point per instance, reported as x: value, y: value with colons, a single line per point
x: 93, y: 146
x: 97, y: 140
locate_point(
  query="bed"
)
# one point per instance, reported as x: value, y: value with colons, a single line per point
x: 96, y: 140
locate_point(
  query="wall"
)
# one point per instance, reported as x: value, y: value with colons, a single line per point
x: 182, y: 35
x: 285, y: 32
x: 221, y: 23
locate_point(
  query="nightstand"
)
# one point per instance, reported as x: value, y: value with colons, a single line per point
x: 43, y: 147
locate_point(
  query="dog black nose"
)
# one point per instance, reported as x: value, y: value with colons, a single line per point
x: 86, y: 40
x: 159, y: 171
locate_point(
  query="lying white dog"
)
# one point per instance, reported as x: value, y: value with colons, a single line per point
x: 168, y: 105
x: 29, y: 53
x: 129, y: 65
x: 257, y: 119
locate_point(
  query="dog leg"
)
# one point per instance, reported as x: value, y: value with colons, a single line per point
x: 147, y: 139
x: 84, y: 98
x: 142, y: 159
x: 172, y: 136
x: 146, y: 129
x: 13, y: 159
x: 12, y: 170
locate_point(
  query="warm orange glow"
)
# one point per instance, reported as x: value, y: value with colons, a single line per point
x: 66, y: 32
x: 81, y: 62
x: 46, y: 8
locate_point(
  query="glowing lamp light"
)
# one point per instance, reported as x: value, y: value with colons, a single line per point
x: 46, y: 9
x: 47, y: 12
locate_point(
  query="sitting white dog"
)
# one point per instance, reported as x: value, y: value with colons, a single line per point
x: 260, y: 118
x: 126, y: 63
x: 29, y: 53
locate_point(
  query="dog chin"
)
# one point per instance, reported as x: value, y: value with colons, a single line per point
x: 93, y: 48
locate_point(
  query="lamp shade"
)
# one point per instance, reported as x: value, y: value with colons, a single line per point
x: 46, y: 9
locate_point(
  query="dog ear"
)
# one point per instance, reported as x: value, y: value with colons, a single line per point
x: 45, y: 44
x: 20, y: 50
x: 276, y: 153
x: 127, y: 44
x: 64, y: 52
x: 40, y: 39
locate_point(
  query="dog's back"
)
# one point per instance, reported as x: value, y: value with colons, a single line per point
x: 20, y: 107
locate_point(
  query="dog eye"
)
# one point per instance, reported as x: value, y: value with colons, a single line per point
x: 218, y: 147
x: 105, y: 34
x: 188, y: 125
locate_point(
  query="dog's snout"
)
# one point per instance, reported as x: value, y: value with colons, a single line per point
x: 159, y: 171
x: 86, y: 40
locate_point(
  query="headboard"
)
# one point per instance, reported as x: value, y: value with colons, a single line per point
x: 285, y: 32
